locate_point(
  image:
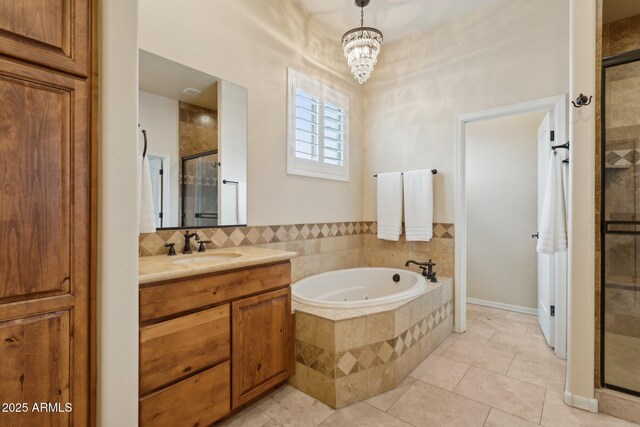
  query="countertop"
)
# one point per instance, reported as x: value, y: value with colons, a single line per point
x: 162, y: 267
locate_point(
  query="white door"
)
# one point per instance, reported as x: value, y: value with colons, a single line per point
x: 546, y: 263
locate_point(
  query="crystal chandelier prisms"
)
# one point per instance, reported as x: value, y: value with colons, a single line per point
x: 361, y: 47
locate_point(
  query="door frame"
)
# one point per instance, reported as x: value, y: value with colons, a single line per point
x: 556, y: 104
x: 611, y: 61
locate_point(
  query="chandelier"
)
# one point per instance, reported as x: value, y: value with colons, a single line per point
x: 361, y: 47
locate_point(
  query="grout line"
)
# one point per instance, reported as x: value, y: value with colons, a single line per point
x: 391, y: 415
x: 515, y: 353
x: 399, y: 397
x: 460, y: 380
x: 543, y: 403
x: 487, y: 417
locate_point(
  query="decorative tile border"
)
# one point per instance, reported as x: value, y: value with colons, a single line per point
x: 228, y: 237
x: 337, y: 365
x: 622, y: 158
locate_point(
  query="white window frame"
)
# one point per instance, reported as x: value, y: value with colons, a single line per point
x: 311, y: 168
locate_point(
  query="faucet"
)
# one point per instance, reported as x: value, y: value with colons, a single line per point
x: 187, y: 242
x: 427, y: 269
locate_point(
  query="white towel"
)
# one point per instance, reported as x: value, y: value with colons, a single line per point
x: 389, y: 205
x: 147, y: 212
x: 418, y: 205
x: 552, y: 236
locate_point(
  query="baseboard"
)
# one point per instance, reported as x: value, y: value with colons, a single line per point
x: 503, y: 306
x: 587, y: 403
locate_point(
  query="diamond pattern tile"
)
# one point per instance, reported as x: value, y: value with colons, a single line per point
x: 366, y: 357
x: 346, y: 363
x: 237, y: 237
x: 253, y: 236
x: 385, y: 351
x: 153, y: 243
x: 399, y: 346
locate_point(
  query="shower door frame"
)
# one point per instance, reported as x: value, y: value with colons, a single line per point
x: 610, y: 61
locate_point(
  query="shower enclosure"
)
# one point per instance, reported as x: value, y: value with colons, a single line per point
x: 199, y: 204
x: 620, y: 223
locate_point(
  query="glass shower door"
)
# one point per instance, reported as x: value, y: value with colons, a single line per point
x: 200, y: 190
x: 621, y: 223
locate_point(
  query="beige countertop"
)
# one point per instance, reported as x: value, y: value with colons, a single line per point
x: 162, y: 267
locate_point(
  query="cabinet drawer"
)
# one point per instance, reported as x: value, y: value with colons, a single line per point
x: 161, y: 300
x: 199, y: 400
x: 172, y: 350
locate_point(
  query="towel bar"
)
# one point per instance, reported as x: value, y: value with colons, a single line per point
x: 433, y: 171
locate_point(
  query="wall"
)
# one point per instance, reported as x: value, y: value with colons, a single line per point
x: 581, y: 308
x: 620, y: 36
x: 198, y: 129
x: 499, y: 56
x: 502, y: 205
x: 117, y: 299
x: 275, y: 35
x: 159, y: 116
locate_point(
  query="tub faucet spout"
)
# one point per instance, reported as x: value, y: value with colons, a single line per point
x: 426, y: 267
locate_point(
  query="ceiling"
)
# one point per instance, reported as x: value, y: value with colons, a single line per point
x: 395, y: 18
x: 615, y: 10
x: 166, y: 78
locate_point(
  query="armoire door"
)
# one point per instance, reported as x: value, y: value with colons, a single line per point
x: 53, y: 33
x: 45, y: 241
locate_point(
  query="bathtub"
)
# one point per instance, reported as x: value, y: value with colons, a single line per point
x: 359, y: 333
x: 358, y: 287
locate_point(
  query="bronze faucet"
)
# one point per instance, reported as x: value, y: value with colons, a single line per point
x: 187, y: 242
x: 427, y: 269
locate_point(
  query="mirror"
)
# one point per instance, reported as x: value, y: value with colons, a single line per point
x: 196, y: 133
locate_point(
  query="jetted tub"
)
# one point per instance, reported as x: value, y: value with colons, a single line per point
x: 359, y: 333
x: 358, y: 287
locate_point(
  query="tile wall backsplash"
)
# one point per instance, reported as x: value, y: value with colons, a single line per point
x: 321, y: 247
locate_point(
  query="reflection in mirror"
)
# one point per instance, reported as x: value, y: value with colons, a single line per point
x: 196, y: 127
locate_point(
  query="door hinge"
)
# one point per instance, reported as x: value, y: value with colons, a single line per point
x: 162, y: 170
x: 553, y: 310
x: 160, y: 215
x: 553, y: 136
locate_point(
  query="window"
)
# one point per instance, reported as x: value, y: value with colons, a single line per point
x: 318, y: 130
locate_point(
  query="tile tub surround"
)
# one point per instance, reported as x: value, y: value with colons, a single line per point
x: 320, y: 247
x: 346, y: 356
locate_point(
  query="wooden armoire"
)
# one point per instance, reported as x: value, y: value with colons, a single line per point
x: 47, y: 231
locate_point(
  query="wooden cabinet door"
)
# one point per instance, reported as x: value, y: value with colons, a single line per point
x: 262, y: 351
x: 45, y: 230
x: 53, y: 33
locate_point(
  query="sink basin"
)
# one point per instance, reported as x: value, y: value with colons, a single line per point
x: 205, y: 259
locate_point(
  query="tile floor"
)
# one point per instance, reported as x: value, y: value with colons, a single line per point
x: 498, y: 373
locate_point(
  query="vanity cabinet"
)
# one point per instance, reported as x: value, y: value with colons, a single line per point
x: 262, y: 344
x: 210, y: 344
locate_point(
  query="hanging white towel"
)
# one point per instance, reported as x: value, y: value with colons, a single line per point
x: 552, y: 236
x: 147, y: 212
x: 389, y: 205
x: 418, y: 205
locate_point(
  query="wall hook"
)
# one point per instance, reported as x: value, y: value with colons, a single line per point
x: 581, y: 101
